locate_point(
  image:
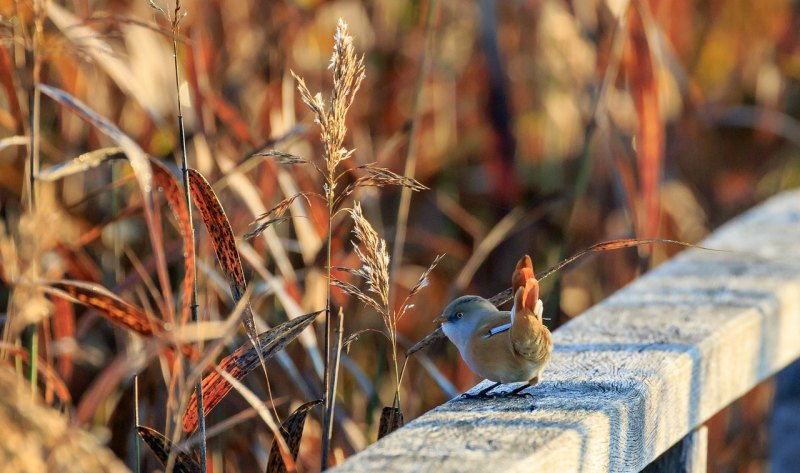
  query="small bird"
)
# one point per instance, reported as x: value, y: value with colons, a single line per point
x: 502, y: 346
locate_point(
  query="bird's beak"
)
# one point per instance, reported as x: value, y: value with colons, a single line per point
x: 440, y: 320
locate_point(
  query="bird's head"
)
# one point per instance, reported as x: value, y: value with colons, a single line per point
x: 461, y: 317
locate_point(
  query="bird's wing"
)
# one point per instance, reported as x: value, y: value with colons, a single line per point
x: 494, y: 323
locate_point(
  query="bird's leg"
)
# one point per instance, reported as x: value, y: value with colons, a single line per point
x: 482, y: 394
x: 518, y: 391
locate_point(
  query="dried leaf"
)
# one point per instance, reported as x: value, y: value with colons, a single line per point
x: 162, y: 446
x: 110, y: 306
x: 391, y: 420
x: 292, y: 431
x: 243, y: 361
x: 221, y: 233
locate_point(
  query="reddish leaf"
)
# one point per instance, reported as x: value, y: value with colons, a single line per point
x: 643, y: 81
x: 243, y: 361
x: 63, y: 327
x: 292, y: 430
x: 221, y: 233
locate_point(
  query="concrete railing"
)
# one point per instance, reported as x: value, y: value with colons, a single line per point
x: 637, y: 375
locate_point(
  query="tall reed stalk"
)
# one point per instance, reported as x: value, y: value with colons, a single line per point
x: 175, y: 20
x: 348, y: 73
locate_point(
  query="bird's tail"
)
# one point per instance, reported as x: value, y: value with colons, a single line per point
x: 526, y: 288
x: 530, y: 338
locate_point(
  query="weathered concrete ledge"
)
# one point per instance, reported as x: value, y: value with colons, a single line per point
x: 636, y: 373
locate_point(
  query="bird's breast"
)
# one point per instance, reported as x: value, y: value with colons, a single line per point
x: 493, y: 358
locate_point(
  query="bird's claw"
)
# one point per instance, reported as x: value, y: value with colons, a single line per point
x: 486, y: 395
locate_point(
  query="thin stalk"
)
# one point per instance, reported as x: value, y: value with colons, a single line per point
x: 329, y: 377
x: 34, y: 359
x: 33, y: 169
x: 201, y: 423
x: 411, y: 151
x: 393, y: 339
x: 331, y: 393
x: 137, y: 440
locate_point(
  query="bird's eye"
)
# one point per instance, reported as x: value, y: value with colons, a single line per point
x: 459, y: 315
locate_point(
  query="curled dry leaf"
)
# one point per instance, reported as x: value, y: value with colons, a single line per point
x: 292, y: 431
x: 243, y: 361
x: 162, y: 446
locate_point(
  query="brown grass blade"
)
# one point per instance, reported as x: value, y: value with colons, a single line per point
x: 243, y: 361
x: 161, y: 448
x: 292, y: 431
x: 506, y: 295
x: 437, y: 334
x: 391, y: 420
x: 81, y: 163
x: 165, y: 180
x: 114, y: 309
x: 88, y: 40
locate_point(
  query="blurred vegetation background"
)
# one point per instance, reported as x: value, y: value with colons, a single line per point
x: 540, y: 127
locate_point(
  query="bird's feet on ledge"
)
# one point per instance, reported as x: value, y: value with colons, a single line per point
x: 484, y: 393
